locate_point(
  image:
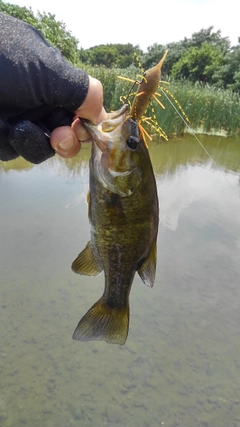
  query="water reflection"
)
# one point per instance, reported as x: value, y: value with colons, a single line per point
x: 180, y: 365
x: 166, y: 156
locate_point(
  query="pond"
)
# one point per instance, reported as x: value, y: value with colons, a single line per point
x: 180, y: 365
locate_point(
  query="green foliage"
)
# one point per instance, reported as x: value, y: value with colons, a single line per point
x: 126, y: 54
x: 156, y: 51
x: 208, y: 108
x: 198, y: 64
x: 22, y: 13
x: 228, y: 76
x: 206, y: 58
x: 102, y: 55
x: 205, y: 50
x: 207, y: 36
x: 175, y: 52
x: 113, y: 87
x: 110, y: 55
x: 236, y: 85
x: 54, y: 31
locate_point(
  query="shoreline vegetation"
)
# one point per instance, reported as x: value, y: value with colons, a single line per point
x: 203, y: 74
x: 210, y: 110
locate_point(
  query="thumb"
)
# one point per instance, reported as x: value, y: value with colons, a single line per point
x: 92, y: 107
x: 65, y: 142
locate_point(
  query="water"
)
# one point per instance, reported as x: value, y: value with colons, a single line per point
x: 181, y: 363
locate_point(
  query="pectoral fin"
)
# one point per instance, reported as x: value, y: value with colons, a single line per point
x: 86, y: 263
x: 147, y: 270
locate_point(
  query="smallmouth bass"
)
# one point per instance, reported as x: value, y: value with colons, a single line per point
x: 123, y: 212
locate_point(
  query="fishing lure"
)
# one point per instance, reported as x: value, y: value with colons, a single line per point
x: 147, y: 90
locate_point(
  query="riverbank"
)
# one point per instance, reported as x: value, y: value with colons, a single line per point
x: 208, y: 110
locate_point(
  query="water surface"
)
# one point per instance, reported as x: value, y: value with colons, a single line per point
x: 181, y: 363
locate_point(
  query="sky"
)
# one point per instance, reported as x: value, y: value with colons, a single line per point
x: 142, y: 23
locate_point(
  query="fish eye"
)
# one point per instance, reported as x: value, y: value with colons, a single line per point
x: 132, y: 142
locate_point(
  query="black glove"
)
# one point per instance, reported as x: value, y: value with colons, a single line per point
x: 39, y: 91
x: 30, y: 139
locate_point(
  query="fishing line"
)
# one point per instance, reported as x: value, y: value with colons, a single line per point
x: 200, y: 143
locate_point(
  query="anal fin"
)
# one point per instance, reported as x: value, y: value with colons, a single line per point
x: 86, y: 262
x: 147, y: 271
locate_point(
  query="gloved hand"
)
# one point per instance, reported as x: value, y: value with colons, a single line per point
x: 30, y: 138
x: 40, y: 94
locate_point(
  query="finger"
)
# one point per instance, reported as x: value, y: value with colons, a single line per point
x: 64, y: 141
x: 92, y: 108
x: 80, y: 131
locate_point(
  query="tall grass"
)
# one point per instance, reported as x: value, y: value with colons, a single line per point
x: 114, y: 88
x: 206, y: 107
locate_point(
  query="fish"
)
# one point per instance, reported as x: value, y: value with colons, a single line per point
x: 123, y: 211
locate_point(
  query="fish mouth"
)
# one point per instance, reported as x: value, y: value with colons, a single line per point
x: 115, y: 173
x: 108, y: 128
x: 114, y: 119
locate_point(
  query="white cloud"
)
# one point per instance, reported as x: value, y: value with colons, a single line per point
x: 198, y: 184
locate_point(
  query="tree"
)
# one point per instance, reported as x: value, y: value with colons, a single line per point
x: 208, y: 36
x: 228, y: 75
x: 101, y: 55
x: 54, y: 31
x: 175, y: 52
x: 57, y: 34
x: 126, y: 54
x: 153, y: 55
x: 22, y: 13
x: 156, y: 51
x: 199, y: 64
x: 110, y: 55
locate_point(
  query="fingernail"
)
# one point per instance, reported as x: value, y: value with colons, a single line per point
x: 67, y: 143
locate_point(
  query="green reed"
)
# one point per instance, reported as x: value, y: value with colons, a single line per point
x: 208, y: 109
x: 114, y: 88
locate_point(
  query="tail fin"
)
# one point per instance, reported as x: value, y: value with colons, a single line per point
x: 102, y: 322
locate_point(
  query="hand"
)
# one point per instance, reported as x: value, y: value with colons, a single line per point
x: 65, y: 140
x: 40, y: 96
